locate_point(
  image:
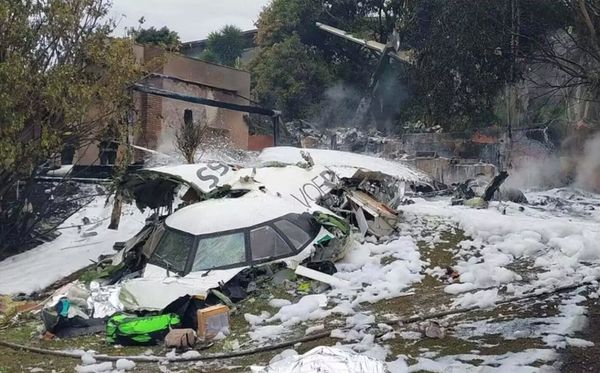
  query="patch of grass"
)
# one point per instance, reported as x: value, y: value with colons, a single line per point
x: 387, y: 260
x: 446, y: 346
x: 21, y: 333
x: 19, y: 361
x: 429, y: 292
x: 502, y: 346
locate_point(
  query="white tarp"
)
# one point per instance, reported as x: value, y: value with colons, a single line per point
x: 155, y: 290
x: 325, y: 360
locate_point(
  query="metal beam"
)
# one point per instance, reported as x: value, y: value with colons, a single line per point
x: 204, y: 101
x: 343, y: 34
x: 274, y: 114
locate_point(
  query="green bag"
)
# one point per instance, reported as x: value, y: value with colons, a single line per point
x: 132, y: 330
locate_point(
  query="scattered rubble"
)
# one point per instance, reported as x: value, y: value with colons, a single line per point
x: 432, y: 329
x: 477, y: 193
x: 309, y: 135
x: 305, y: 234
x: 220, y: 231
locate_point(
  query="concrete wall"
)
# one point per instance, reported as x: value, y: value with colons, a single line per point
x: 218, y: 82
x: 445, y: 145
x: 449, y: 171
x: 478, y: 147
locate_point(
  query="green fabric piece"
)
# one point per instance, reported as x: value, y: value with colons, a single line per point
x: 324, y: 239
x: 132, y: 330
x: 64, y: 306
x: 332, y: 222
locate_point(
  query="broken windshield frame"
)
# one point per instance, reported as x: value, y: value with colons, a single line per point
x: 304, y: 222
x: 231, y: 250
x: 173, y: 251
x: 169, y: 265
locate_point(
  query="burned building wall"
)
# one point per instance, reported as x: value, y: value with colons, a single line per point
x: 218, y: 83
x: 157, y: 119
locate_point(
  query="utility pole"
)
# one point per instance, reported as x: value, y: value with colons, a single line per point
x: 511, y: 89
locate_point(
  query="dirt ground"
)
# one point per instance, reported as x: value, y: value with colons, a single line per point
x: 423, y: 296
x: 585, y: 359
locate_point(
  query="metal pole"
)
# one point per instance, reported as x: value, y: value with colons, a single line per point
x: 275, y: 119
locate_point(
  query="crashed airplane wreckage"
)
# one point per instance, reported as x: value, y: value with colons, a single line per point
x: 232, y: 225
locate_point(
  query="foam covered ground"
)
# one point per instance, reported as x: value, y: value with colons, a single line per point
x: 509, y: 251
x: 503, y: 252
x: 73, y: 250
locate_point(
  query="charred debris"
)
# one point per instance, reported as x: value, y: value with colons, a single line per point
x: 221, y: 233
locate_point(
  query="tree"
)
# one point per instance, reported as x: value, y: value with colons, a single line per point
x: 162, y: 37
x: 349, y: 64
x: 565, y: 71
x: 572, y: 49
x: 285, y: 18
x: 63, y: 77
x: 462, y: 63
x: 290, y: 76
x: 466, y: 55
x: 191, y: 136
x: 286, y: 25
x: 209, y: 56
x: 225, y: 46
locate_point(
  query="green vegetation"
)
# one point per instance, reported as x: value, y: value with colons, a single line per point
x: 225, y: 46
x: 162, y: 37
x: 469, y: 60
x: 63, y: 78
x: 290, y: 76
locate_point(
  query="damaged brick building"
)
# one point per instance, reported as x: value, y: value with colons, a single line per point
x: 158, y: 118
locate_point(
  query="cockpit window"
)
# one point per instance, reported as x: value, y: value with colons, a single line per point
x: 173, y: 251
x: 294, y: 234
x: 265, y: 243
x: 306, y: 222
x: 279, y: 238
x: 220, y: 251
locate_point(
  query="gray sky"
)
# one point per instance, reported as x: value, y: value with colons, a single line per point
x: 192, y: 19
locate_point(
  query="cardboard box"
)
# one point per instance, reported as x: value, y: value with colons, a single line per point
x: 212, y: 320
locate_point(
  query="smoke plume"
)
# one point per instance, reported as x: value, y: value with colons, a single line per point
x: 588, y: 166
x: 581, y: 170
